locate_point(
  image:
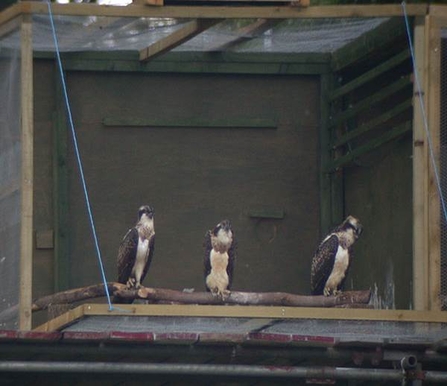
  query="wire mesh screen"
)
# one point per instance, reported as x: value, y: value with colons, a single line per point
x: 92, y: 33
x: 10, y: 155
x: 443, y: 104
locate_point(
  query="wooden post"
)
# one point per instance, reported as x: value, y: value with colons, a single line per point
x: 434, y: 123
x: 420, y: 172
x: 26, y: 233
x: 60, y: 192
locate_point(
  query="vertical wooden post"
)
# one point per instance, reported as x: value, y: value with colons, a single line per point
x: 420, y: 171
x: 426, y: 200
x: 26, y: 233
x: 434, y: 124
x: 60, y: 193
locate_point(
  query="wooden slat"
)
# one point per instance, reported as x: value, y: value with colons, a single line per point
x: 256, y: 28
x: 420, y: 171
x: 193, y: 122
x: 400, y: 108
x: 196, y: 67
x: 10, y: 26
x: 366, y: 103
x: 12, y: 187
x: 187, y: 32
x: 371, y: 145
x: 223, y: 62
x: 10, y: 13
x: 369, y: 42
x: 62, y: 320
x: 265, y: 312
x: 26, y: 233
x: 219, y: 12
x: 270, y: 213
x: 370, y: 75
x: 299, y: 3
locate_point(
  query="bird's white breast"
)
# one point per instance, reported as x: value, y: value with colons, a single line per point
x: 218, y: 277
x: 339, y: 270
x: 142, y: 249
x: 141, y: 258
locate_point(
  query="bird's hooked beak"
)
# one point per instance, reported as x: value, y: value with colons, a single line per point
x: 355, y: 224
x: 225, y: 225
x: 147, y: 210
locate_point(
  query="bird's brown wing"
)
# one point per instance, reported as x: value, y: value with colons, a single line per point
x: 206, y: 258
x: 127, y: 254
x: 231, y: 261
x: 322, y: 264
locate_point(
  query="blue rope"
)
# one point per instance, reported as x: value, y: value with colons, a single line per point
x: 424, y: 115
x: 78, y: 156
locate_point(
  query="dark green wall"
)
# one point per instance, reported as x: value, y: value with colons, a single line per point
x: 379, y: 192
x: 195, y: 177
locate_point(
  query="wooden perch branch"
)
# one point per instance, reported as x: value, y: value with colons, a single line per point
x: 247, y: 298
x: 157, y: 295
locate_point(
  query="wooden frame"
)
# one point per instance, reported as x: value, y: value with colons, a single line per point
x: 27, y: 147
x: 215, y: 12
x: 420, y: 174
x: 426, y: 207
x: 262, y: 312
x: 426, y: 202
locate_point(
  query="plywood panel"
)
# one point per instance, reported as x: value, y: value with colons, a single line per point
x: 194, y: 177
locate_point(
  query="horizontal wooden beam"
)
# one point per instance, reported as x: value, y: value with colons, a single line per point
x: 266, y: 312
x: 193, y: 62
x: 438, y: 10
x: 221, y: 12
x: 185, y: 33
x: 370, y: 75
x: 196, y: 67
x: 266, y: 213
x: 366, y: 103
x: 10, y: 13
x: 296, y: 3
x: 400, y: 108
x: 193, y: 122
x: 263, y: 312
x: 371, y: 145
x: 10, y: 26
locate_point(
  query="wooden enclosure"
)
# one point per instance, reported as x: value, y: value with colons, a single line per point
x: 284, y: 145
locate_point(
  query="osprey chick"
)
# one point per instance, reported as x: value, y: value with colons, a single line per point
x: 333, y: 258
x: 220, y: 254
x: 136, y: 251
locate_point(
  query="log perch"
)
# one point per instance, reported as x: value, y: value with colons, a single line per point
x: 247, y: 298
x: 162, y: 295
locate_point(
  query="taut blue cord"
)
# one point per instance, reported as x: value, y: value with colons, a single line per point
x: 78, y: 156
x: 424, y: 115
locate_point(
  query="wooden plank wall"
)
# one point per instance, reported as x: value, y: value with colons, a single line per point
x: 371, y: 148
